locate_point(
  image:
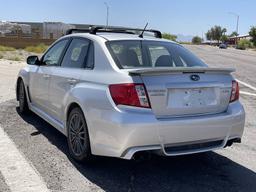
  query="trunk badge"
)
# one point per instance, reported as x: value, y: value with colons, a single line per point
x: 195, y: 77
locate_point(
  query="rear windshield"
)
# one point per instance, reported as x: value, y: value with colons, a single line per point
x: 147, y: 54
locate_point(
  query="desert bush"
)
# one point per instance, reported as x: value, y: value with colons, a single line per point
x: 244, y: 44
x: 185, y: 43
x: 14, y: 58
x: 6, y: 48
x: 37, y: 49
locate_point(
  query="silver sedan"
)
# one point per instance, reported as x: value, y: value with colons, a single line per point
x: 116, y: 93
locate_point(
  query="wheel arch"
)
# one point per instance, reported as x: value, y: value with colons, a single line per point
x: 19, y: 80
x: 69, y: 108
x: 23, y: 76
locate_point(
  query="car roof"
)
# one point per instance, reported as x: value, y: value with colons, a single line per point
x: 104, y: 36
x: 124, y: 36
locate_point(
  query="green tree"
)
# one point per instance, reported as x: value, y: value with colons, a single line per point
x: 208, y: 35
x: 169, y: 36
x: 233, y: 34
x: 224, y: 38
x: 252, y: 33
x: 196, y: 40
x: 215, y: 33
x: 224, y: 31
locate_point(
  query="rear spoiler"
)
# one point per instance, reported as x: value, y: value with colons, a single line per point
x: 168, y: 70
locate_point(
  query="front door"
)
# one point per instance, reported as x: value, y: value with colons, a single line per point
x: 41, y: 76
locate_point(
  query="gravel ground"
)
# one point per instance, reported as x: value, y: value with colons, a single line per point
x: 17, y: 55
x: 47, y: 150
x: 8, y: 75
x: 230, y: 169
x: 3, y: 186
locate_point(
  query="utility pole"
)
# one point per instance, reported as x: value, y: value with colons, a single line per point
x: 107, y: 7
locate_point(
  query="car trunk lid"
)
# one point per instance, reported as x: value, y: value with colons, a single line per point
x: 186, y: 91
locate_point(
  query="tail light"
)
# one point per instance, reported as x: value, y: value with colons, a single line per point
x: 234, y: 92
x: 132, y: 94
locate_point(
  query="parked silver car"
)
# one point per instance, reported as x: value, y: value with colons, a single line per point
x: 114, y: 93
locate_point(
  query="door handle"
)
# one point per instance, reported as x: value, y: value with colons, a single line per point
x: 72, y: 81
x: 46, y: 76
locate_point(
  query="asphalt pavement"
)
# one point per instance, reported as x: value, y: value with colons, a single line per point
x: 229, y: 169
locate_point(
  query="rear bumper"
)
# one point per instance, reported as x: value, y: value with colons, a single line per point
x: 125, y: 132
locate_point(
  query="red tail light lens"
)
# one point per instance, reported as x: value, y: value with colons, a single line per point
x: 131, y: 94
x: 234, y: 92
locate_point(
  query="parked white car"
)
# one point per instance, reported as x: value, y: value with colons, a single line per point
x: 114, y: 93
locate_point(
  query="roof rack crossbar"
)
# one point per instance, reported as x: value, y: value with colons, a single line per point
x: 95, y: 29
x: 70, y: 31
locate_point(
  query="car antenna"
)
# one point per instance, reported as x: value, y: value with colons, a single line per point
x: 141, y: 35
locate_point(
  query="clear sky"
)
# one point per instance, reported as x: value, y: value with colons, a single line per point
x: 188, y: 17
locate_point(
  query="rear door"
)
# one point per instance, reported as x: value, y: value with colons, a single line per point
x: 77, y: 59
x: 40, y: 79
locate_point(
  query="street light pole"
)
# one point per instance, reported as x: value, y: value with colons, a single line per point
x: 237, y: 22
x: 107, y: 14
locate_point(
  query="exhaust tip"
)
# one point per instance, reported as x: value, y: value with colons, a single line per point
x: 231, y: 141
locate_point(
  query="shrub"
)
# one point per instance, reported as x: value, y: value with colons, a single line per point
x: 169, y: 36
x: 252, y: 33
x: 196, y: 40
x: 6, y: 48
x: 37, y: 49
x: 244, y: 44
x: 1, y: 56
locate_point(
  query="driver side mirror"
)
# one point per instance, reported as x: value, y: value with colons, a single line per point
x: 33, y: 60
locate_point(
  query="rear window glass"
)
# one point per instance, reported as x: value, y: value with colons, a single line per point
x: 148, y: 54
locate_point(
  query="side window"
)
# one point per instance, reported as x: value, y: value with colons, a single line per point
x: 90, y: 60
x: 53, y: 56
x: 77, y: 54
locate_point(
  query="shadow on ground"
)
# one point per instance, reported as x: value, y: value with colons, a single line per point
x: 202, y: 172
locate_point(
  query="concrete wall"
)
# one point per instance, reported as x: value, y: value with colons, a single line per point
x: 20, y: 42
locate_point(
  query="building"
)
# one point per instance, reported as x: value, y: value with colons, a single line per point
x: 45, y: 30
x: 23, y: 34
x: 234, y: 40
x: 54, y: 30
x: 13, y: 28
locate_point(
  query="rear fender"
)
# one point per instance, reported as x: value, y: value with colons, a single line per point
x: 90, y: 97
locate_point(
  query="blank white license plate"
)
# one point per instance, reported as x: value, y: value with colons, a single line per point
x: 194, y: 97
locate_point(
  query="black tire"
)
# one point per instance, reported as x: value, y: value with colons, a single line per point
x: 22, y: 97
x: 78, y: 137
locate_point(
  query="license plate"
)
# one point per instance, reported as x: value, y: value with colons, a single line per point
x: 195, y: 97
